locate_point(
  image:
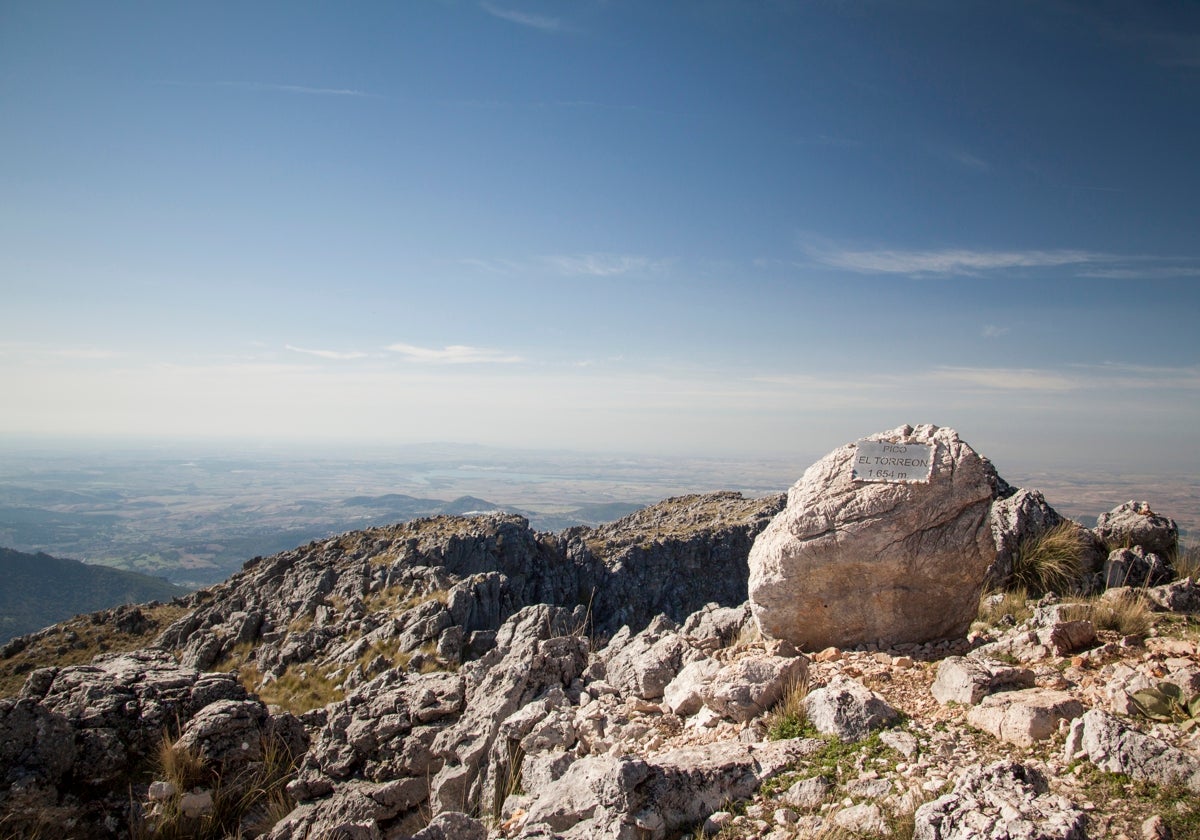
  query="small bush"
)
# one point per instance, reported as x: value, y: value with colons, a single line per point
x: 1051, y: 562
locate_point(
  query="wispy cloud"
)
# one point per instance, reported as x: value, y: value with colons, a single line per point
x: 950, y: 261
x: 600, y: 265
x: 454, y: 354
x: 306, y: 90
x: 1006, y: 379
x: 327, y: 354
x: 1144, y: 272
x: 969, y: 161
x: 993, y: 331
x: 571, y: 265
x: 542, y: 22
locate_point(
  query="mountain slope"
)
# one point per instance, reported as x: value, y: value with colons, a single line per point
x: 40, y: 590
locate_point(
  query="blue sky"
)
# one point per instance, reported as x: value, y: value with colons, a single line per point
x: 686, y: 227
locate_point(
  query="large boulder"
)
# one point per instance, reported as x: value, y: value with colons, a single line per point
x: 851, y: 561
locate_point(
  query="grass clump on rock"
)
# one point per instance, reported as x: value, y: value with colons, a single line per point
x: 788, y: 719
x: 1051, y: 561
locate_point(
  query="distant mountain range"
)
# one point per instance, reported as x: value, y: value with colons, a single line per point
x: 39, y: 590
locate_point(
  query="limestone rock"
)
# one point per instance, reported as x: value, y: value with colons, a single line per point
x: 967, y: 680
x: 1135, y: 524
x: 75, y: 735
x: 808, y: 794
x: 628, y: 797
x: 228, y: 733
x: 1020, y: 517
x: 1181, y: 596
x: 643, y: 665
x: 1111, y: 745
x: 744, y: 689
x: 452, y: 825
x: 1067, y: 637
x: 1135, y: 567
x: 847, y: 709
x: 713, y: 626
x: 683, y: 694
x: 849, y: 562
x: 1026, y: 716
x: 357, y: 810
x: 1005, y: 799
x: 863, y: 818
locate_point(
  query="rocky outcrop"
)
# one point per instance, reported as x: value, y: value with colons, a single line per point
x: 1135, y: 524
x: 1025, y: 716
x: 1016, y: 520
x: 1006, y: 799
x: 1135, y: 567
x: 850, y: 562
x: 75, y: 736
x: 1118, y: 748
x: 629, y: 799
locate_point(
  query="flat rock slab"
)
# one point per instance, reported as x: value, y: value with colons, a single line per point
x: 1024, y: 717
x: 966, y: 681
x: 850, y: 561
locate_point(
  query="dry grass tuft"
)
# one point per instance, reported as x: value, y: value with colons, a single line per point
x: 995, y: 606
x: 1051, y: 562
x: 1187, y: 561
x: 787, y: 719
x: 1129, y: 615
x: 300, y: 689
x: 246, y: 801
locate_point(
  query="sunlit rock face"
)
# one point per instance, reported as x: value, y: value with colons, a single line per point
x: 851, y: 561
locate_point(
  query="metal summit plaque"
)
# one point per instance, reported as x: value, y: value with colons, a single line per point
x: 903, y: 463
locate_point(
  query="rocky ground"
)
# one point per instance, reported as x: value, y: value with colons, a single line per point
x: 470, y: 678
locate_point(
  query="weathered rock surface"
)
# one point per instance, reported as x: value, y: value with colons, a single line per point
x: 967, y: 680
x: 850, y: 562
x: 644, y: 664
x: 629, y: 799
x: 1021, y: 517
x: 848, y: 709
x: 1135, y: 567
x: 744, y: 689
x: 1135, y: 524
x: 1006, y: 801
x: 1025, y: 716
x: 1113, y: 746
x: 1180, y: 596
x: 73, y: 738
